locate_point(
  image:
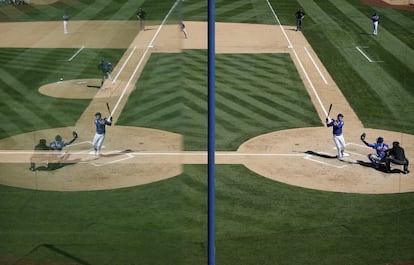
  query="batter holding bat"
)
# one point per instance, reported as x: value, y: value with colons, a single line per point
x: 99, y: 137
x: 338, y: 136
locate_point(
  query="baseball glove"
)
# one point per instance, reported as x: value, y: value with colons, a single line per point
x: 75, y: 135
x: 363, y: 136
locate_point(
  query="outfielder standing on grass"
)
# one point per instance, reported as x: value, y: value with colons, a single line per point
x: 106, y: 68
x: 375, y: 19
x: 338, y: 137
x: 100, y: 132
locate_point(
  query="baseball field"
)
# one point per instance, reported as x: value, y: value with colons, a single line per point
x: 282, y: 197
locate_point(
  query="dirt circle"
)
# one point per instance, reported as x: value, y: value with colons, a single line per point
x: 313, y: 164
x: 116, y: 168
x: 135, y: 156
x: 74, y: 89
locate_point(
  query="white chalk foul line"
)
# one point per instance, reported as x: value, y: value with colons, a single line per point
x: 124, y: 64
x: 316, y: 66
x: 299, y: 61
x: 76, y: 53
x: 359, y: 48
x: 150, y: 45
x: 308, y: 157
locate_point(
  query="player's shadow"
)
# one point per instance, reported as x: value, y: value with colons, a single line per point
x: 309, y: 152
x: 381, y: 167
x: 94, y: 86
x: 56, y: 166
x: 126, y: 151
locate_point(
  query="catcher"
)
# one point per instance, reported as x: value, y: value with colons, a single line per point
x: 58, y: 144
x: 381, y: 148
x: 57, y: 157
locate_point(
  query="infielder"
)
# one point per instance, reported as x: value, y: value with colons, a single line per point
x: 375, y: 18
x: 338, y: 137
x: 65, y: 23
x: 99, y: 137
x: 380, y: 147
x: 106, y: 68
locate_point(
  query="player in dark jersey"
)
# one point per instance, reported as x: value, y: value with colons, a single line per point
x: 99, y: 137
x: 396, y: 155
x: 106, y: 68
x: 300, y: 15
x: 38, y: 157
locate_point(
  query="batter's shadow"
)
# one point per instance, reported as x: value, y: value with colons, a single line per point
x: 126, y: 151
x: 309, y: 152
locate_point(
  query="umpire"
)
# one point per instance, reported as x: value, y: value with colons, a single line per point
x: 396, y: 155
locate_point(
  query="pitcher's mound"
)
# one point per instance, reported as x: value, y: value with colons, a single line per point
x: 76, y: 89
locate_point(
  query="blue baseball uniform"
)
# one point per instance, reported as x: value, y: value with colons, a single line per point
x: 375, y: 19
x: 381, y: 149
x: 99, y: 137
x: 338, y: 137
x: 106, y: 68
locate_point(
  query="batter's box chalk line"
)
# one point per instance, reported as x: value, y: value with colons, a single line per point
x: 114, y: 153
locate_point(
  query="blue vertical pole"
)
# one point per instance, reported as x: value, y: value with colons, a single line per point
x: 211, y: 132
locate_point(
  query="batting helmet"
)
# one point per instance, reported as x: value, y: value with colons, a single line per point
x: 98, y: 114
x: 380, y: 140
x: 340, y: 115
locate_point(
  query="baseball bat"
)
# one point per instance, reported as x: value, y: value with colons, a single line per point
x: 109, y: 109
x: 329, y: 110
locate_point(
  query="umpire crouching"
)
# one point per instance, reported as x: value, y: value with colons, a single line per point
x: 396, y: 155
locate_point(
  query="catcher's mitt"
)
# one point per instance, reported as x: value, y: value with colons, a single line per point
x: 75, y: 134
x: 363, y: 136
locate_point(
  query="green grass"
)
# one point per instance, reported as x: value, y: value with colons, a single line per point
x: 258, y: 221
x: 255, y: 94
x: 23, y: 108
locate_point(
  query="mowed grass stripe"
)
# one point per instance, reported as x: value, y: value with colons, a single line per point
x: 389, y: 44
x: 241, y: 89
x: 241, y: 112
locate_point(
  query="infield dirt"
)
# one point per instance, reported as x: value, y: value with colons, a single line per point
x: 303, y: 157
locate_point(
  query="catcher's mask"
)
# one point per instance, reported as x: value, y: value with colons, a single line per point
x: 380, y: 140
x: 58, y: 138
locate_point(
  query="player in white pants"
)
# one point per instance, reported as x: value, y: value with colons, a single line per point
x: 65, y: 23
x: 99, y: 137
x: 337, y: 134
